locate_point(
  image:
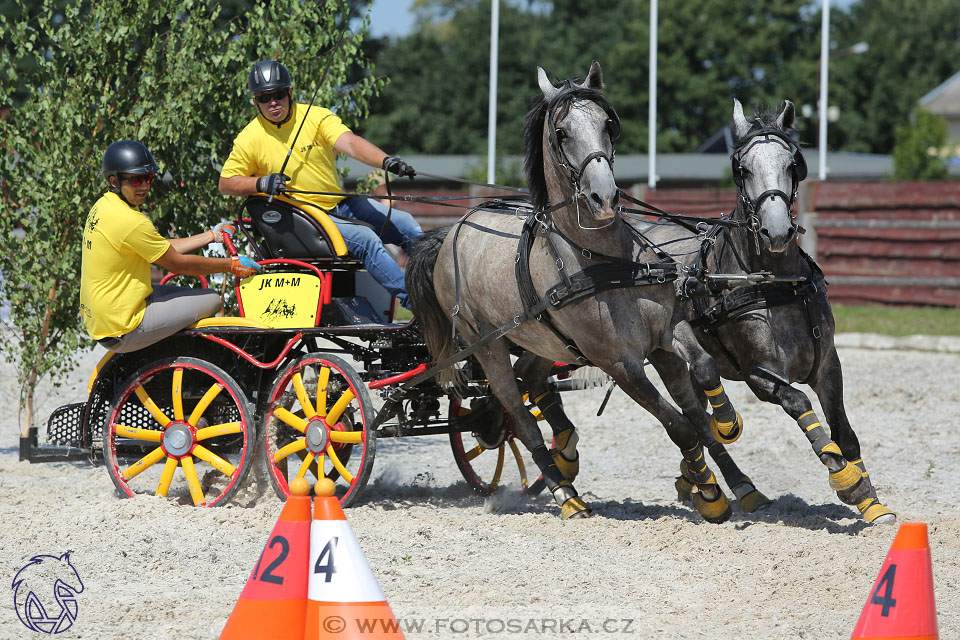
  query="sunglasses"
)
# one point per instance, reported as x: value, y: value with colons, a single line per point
x: 137, y: 181
x: 264, y: 98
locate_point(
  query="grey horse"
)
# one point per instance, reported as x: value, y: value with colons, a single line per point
x: 773, y: 335
x: 468, y: 274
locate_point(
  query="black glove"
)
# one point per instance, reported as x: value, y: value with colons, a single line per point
x: 399, y: 167
x: 272, y: 184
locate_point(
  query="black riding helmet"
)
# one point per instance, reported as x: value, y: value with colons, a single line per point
x: 127, y: 156
x: 268, y: 75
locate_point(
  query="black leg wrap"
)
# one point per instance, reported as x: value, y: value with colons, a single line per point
x: 694, y: 465
x: 552, y: 410
x: 551, y: 474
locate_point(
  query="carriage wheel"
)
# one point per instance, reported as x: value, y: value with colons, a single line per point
x: 493, y: 455
x: 316, y: 426
x: 188, y: 414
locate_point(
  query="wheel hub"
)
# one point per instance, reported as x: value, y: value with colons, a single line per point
x: 316, y: 434
x: 178, y: 439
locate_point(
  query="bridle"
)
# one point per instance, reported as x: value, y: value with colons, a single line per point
x: 798, y: 172
x: 571, y: 91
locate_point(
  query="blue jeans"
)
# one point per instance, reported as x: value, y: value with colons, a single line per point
x: 366, y: 244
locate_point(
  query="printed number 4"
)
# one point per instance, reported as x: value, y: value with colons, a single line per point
x: 886, y: 600
x: 267, y: 575
x: 327, y: 568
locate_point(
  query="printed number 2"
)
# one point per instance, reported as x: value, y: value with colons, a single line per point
x: 886, y: 600
x: 267, y: 575
x: 327, y: 567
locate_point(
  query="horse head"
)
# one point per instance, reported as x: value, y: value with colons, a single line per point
x: 577, y: 129
x: 45, y: 592
x: 767, y: 169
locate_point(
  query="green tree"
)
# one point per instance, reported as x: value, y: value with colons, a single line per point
x: 917, y: 154
x: 172, y: 75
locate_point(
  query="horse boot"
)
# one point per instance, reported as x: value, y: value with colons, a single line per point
x: 870, y: 508
x: 571, y: 504
x: 708, y: 499
x: 849, y: 480
x: 564, y: 453
x: 726, y: 425
x: 750, y: 498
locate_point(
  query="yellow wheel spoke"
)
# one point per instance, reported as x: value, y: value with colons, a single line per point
x: 297, y: 445
x: 214, y: 460
x: 307, y: 461
x: 340, y: 407
x: 215, y: 430
x: 303, y: 396
x: 346, y: 475
x: 520, y: 465
x: 294, y: 421
x: 473, y: 453
x: 178, y: 394
x: 167, y: 476
x: 151, y: 406
x: 499, y: 470
x: 204, y: 403
x: 149, y: 435
x: 144, y: 463
x: 353, y: 437
x: 320, y: 472
x: 193, y: 482
x: 323, y: 379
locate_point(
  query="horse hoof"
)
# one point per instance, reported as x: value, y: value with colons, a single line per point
x: 684, y: 489
x: 753, y: 501
x: 716, y: 511
x: 726, y: 432
x: 875, y: 513
x: 574, y: 508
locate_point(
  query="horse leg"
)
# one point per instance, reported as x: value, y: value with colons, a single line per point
x: 773, y: 386
x: 495, y: 361
x: 688, y: 395
x: 535, y: 371
x: 829, y: 388
x: 708, y: 499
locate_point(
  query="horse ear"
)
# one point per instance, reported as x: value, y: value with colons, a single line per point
x: 549, y: 91
x: 66, y: 556
x: 786, y: 118
x: 594, y: 77
x: 740, y: 124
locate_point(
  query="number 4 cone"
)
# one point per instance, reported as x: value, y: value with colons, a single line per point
x: 901, y: 602
x: 344, y: 599
x: 273, y: 604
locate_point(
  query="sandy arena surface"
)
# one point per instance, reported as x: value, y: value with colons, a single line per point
x: 645, y: 566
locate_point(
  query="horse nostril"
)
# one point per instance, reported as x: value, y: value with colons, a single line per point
x: 616, y: 199
x: 764, y: 231
x: 596, y: 200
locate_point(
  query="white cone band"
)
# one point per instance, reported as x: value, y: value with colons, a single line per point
x: 338, y: 569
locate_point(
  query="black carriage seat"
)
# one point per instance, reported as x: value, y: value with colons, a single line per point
x: 278, y: 229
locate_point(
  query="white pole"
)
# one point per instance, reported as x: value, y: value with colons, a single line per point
x: 824, y: 64
x: 492, y: 106
x: 652, y: 118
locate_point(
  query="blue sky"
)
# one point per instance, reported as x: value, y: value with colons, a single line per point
x: 390, y: 17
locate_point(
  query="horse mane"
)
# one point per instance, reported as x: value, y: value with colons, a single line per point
x: 533, y: 136
x: 764, y: 119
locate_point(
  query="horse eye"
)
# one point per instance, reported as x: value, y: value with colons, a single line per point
x: 561, y: 134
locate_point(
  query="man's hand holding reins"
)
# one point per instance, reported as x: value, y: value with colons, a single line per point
x: 398, y: 167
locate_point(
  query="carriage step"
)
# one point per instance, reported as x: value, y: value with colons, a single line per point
x: 65, y: 425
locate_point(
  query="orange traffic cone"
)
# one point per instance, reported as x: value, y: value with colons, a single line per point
x: 344, y: 600
x: 901, y: 602
x: 273, y: 604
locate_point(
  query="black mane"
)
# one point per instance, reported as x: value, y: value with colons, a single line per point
x: 533, y: 136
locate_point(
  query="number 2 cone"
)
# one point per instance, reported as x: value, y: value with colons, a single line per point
x: 273, y: 604
x: 900, y: 604
x: 344, y: 599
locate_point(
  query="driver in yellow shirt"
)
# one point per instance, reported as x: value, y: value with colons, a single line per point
x: 121, y: 309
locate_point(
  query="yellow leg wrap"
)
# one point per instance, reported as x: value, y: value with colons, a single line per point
x: 833, y: 448
x: 569, y: 468
x: 845, y: 478
x: 715, y: 511
x: 726, y: 432
x: 753, y: 501
x: 871, y: 510
x: 684, y: 488
x: 574, y: 507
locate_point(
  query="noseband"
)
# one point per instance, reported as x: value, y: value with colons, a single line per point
x: 572, y: 92
x: 798, y: 171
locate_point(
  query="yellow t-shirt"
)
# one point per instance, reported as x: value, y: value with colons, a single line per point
x: 261, y: 148
x: 119, y: 245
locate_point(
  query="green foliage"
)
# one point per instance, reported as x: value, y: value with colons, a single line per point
x: 897, y: 321
x: 916, y: 155
x: 170, y: 74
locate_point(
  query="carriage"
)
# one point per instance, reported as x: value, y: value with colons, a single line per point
x: 286, y: 387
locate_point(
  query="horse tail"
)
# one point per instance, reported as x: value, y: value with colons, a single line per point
x: 434, y: 322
